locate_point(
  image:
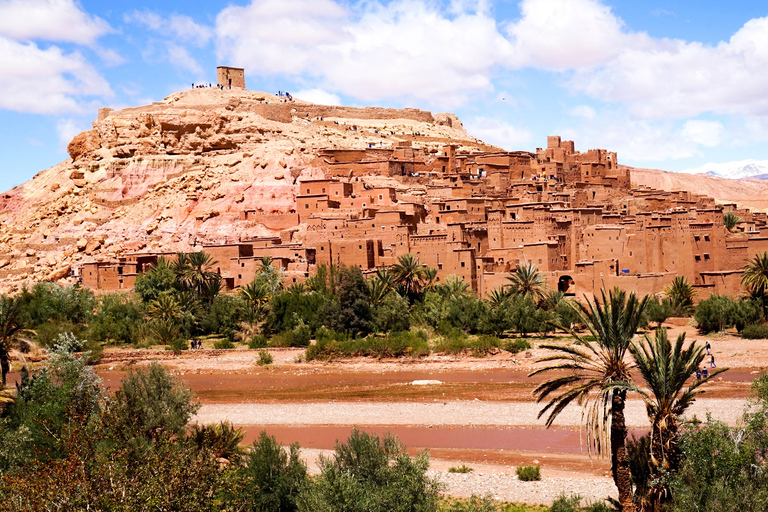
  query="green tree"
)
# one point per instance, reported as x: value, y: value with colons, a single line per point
x: 598, y: 375
x: 114, y: 318
x: 11, y: 329
x: 409, y: 272
x: 680, y: 293
x: 454, y: 287
x: 159, y: 279
x: 151, y: 402
x: 755, y: 279
x: 350, y: 311
x: 665, y: 369
x: 720, y: 312
x: 366, y: 474
x: 730, y: 220
x: 271, y: 478
x: 528, y: 281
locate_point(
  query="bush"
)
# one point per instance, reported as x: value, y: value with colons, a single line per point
x: 223, y: 344
x: 396, y: 344
x: 598, y: 506
x: 518, y: 345
x: 755, y: 332
x: 112, y: 323
x: 485, y: 345
x: 151, y: 401
x: 367, y: 474
x: 264, y: 358
x: 258, y: 341
x: 565, y: 503
x: 271, y: 478
x: 719, y: 312
x: 473, y: 504
x: 461, y: 469
x: 47, y: 334
x: 392, y: 314
x: 528, y: 473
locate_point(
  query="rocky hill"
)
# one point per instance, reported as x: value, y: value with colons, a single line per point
x: 176, y: 174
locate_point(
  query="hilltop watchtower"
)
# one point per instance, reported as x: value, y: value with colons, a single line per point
x: 230, y: 77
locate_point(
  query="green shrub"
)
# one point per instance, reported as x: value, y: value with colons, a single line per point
x: 517, y: 345
x: 223, y: 344
x: 116, y: 314
x: 484, y: 345
x: 367, y: 474
x: 264, y: 358
x: 258, y: 341
x: 565, y: 503
x: 395, y: 344
x: 178, y: 344
x: 719, y: 312
x: 453, y: 341
x: 755, y: 332
x: 528, y: 473
x: 48, y: 333
x: 271, y: 478
x: 222, y: 438
x: 461, y: 469
x: 598, y: 506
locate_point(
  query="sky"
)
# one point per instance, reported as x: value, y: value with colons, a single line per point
x: 667, y: 84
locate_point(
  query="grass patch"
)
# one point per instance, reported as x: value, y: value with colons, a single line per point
x: 222, y: 344
x: 529, y: 473
x: 517, y: 345
x: 264, y: 358
x: 396, y: 344
x: 486, y: 504
x: 461, y: 469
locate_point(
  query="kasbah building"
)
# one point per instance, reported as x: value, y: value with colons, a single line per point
x: 573, y: 214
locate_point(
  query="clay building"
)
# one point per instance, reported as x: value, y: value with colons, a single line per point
x: 478, y: 215
x: 230, y: 77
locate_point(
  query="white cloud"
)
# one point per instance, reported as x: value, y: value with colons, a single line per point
x: 565, y: 34
x: 406, y: 49
x: 49, y: 20
x: 66, y: 129
x: 318, y: 96
x: 499, y: 133
x: 176, y: 26
x: 46, y: 81
x: 178, y: 56
x: 584, y: 111
x: 706, y: 133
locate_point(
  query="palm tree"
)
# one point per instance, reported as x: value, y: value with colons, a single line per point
x: 377, y: 291
x: 197, y: 275
x: 11, y: 328
x: 527, y: 280
x: 730, y: 220
x: 498, y: 295
x: 165, y: 307
x: 256, y: 295
x: 665, y: 370
x: 454, y: 287
x: 680, y: 294
x: 755, y: 279
x: 409, y: 272
x: 598, y: 378
x: 430, y: 278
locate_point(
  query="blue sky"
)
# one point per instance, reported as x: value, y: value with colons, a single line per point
x: 666, y: 84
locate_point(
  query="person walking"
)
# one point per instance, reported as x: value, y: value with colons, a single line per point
x: 712, y: 362
x: 704, y: 372
x: 698, y: 374
x: 708, y: 346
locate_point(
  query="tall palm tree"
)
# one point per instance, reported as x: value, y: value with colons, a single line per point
x: 527, y: 280
x: 680, y: 293
x: 256, y: 295
x: 665, y: 369
x: 430, y: 278
x: 498, y: 295
x: 730, y: 220
x: 755, y: 279
x: 165, y: 307
x: 198, y: 275
x: 454, y: 287
x: 377, y: 290
x: 598, y: 378
x: 409, y: 272
x: 11, y: 329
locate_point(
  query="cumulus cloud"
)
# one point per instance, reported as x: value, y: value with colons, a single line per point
x: 405, y: 49
x: 706, y: 133
x: 49, y: 20
x: 499, y: 133
x: 66, y: 129
x: 318, y: 96
x: 176, y: 26
x: 583, y: 111
x: 46, y: 81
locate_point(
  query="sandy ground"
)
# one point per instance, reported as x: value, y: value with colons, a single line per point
x: 476, y: 411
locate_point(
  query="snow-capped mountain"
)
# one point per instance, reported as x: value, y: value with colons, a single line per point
x: 735, y: 170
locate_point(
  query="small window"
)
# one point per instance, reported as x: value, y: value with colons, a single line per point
x: 706, y: 238
x: 323, y: 193
x: 239, y: 276
x: 306, y: 206
x: 706, y: 256
x: 463, y: 264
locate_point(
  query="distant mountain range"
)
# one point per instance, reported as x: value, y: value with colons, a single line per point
x: 754, y: 169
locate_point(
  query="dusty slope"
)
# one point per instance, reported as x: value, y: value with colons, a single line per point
x: 176, y: 174
x: 746, y: 192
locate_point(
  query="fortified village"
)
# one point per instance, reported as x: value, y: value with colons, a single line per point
x: 243, y: 175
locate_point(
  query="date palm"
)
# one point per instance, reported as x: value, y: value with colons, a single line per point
x: 680, y: 293
x: 498, y: 295
x: 730, y: 220
x: 597, y: 377
x: 755, y: 279
x: 454, y: 287
x: 409, y: 272
x: 665, y: 369
x: 165, y: 307
x: 528, y: 281
x: 198, y: 275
